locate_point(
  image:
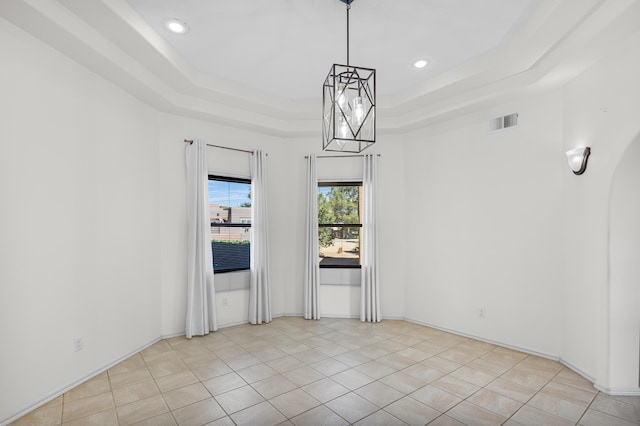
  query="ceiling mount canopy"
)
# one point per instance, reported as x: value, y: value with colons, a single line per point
x: 349, y: 105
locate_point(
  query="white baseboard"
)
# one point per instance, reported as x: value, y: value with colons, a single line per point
x: 618, y: 391
x: 75, y: 383
x: 482, y: 339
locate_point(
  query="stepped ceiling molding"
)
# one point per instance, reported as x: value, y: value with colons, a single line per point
x: 259, y: 64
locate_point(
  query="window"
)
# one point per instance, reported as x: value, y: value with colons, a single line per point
x: 339, y: 224
x: 230, y: 212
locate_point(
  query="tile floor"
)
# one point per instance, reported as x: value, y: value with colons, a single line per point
x: 335, y: 372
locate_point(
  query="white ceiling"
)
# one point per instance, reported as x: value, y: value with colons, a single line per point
x: 259, y: 65
x: 285, y: 47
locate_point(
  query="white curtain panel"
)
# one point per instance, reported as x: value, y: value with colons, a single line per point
x: 311, y: 267
x: 201, y: 302
x: 370, y: 283
x: 260, y: 291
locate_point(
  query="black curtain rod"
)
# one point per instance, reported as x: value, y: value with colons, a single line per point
x: 222, y: 147
x: 341, y: 156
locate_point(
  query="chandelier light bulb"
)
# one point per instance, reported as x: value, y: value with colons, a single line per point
x: 343, y: 131
x: 342, y: 96
x: 357, y: 106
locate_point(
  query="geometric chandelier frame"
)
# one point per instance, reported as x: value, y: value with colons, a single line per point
x: 349, y: 105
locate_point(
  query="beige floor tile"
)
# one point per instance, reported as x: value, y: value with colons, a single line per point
x: 319, y: 416
x: 177, y: 380
x: 273, y: 386
x: 89, y: 388
x: 411, y: 411
x: 135, y: 362
x: 242, y: 361
x: 495, y: 402
x: 380, y: 418
x: 488, y: 367
x: 416, y: 355
x: 569, y: 393
x: 187, y: 395
x: 458, y: 356
x: 352, y: 379
x: 542, y: 364
x: 477, y: 347
x: 526, y: 380
x: 211, y: 370
x: 441, y: 364
x: 430, y: 348
x: 471, y: 375
x: 55, y: 401
x: 104, y: 418
x: 256, y: 373
x: 294, y: 402
x: 200, y: 413
x: 332, y: 349
x: 395, y: 361
x: 511, y: 390
x: 352, y: 359
x: 130, y: 378
x: 530, y: 416
x: 375, y: 370
x: 504, y: 356
x: 471, y: 414
x: 436, y: 398
x: 269, y: 354
x: 596, y: 418
x: 329, y: 366
x: 136, y: 392
x: 239, y: 399
x: 455, y: 386
x: 380, y: 394
x: 141, y: 410
x: 263, y: 414
x: 558, y: 406
x: 87, y: 406
x: 526, y: 369
x: 165, y: 419
x: 402, y: 382
x: 224, y: 421
x: 351, y: 407
x: 445, y: 420
x: 303, y: 375
x: 617, y: 408
x: 633, y: 400
x: 43, y: 416
x: 284, y: 364
x: 293, y: 348
x: 310, y: 356
x: 200, y: 359
x: 568, y: 377
x: 325, y: 390
x: 423, y: 373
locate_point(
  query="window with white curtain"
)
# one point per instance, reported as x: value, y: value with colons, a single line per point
x: 230, y: 212
x: 339, y: 224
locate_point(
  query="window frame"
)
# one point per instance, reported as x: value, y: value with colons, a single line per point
x: 355, y: 183
x: 229, y: 225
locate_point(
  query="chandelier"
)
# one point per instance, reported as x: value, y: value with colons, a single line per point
x: 349, y: 105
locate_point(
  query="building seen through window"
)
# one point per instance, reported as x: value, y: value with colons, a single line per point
x: 230, y: 213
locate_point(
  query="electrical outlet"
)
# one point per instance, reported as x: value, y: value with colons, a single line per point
x: 225, y: 301
x: 78, y: 343
x: 482, y: 313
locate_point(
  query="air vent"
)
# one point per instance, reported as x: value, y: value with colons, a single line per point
x: 500, y: 123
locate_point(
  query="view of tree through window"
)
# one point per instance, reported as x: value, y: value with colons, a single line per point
x: 230, y: 213
x: 339, y: 224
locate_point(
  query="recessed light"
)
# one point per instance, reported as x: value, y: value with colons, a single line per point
x: 420, y: 63
x: 176, y: 26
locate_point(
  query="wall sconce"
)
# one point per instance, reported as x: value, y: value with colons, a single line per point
x: 578, y: 159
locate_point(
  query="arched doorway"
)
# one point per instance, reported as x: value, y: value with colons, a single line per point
x: 624, y: 274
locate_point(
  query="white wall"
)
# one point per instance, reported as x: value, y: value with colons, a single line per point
x: 80, y: 238
x: 624, y: 273
x: 601, y: 110
x: 485, y: 209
